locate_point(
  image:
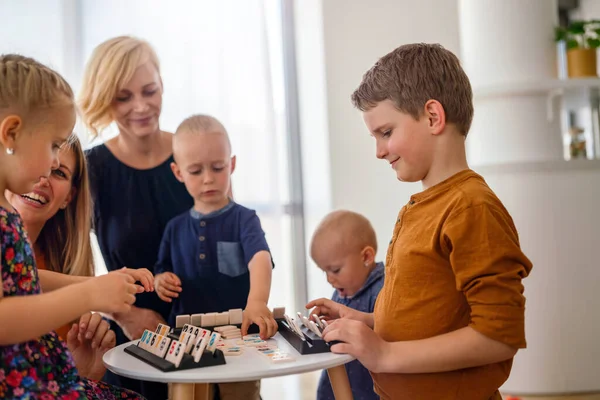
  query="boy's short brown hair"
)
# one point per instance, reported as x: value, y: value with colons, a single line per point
x: 411, y: 75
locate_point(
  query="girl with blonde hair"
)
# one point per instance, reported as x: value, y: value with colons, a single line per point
x: 56, y: 215
x: 37, y: 115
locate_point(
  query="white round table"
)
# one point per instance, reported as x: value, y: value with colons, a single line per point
x: 249, y: 366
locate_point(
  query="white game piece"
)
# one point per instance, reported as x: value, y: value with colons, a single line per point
x: 222, y: 318
x: 282, y: 359
x: 199, y: 348
x: 196, y: 319
x: 325, y: 324
x: 163, y: 347
x: 233, y: 351
x: 201, y: 334
x: 232, y: 336
x: 176, y: 352
x: 146, y: 343
x: 165, y: 330
x: 300, y: 317
x: 236, y: 316
x: 315, y: 328
x: 209, y: 319
x: 140, y: 342
x: 253, y: 336
x: 224, y: 328
x: 189, y: 341
x: 212, y: 342
x: 315, y: 317
x: 181, y: 320
x: 278, y: 312
x: 154, y: 342
x: 187, y: 328
x: 306, y: 322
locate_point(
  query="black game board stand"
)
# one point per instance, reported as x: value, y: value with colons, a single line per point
x: 208, y: 359
x: 313, y: 344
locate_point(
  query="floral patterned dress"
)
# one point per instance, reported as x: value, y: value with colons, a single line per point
x: 42, y: 368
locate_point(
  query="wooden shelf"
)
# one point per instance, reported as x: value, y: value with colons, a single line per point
x: 534, y: 88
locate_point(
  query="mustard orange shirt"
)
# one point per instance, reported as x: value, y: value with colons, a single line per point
x: 454, y: 261
x: 40, y: 261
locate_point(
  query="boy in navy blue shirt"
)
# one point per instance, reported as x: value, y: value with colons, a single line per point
x: 344, y: 246
x: 214, y: 257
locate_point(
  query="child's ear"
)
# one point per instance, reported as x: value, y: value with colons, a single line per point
x: 233, y: 164
x: 176, y: 172
x: 368, y: 256
x: 435, y: 116
x: 10, y: 127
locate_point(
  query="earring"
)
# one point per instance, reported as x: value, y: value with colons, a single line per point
x: 64, y: 206
x: 10, y: 151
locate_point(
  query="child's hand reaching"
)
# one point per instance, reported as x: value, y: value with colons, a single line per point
x: 142, y: 275
x: 329, y: 309
x: 167, y: 285
x: 257, y: 312
x: 112, y: 293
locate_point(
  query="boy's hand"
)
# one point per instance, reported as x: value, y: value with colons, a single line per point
x: 257, y: 312
x: 329, y: 309
x: 168, y: 286
x: 142, y: 275
x: 112, y: 293
x: 359, y: 341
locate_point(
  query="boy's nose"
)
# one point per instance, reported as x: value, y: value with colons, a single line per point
x: 380, y: 151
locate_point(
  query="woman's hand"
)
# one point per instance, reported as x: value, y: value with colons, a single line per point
x: 88, y: 340
x: 134, y: 322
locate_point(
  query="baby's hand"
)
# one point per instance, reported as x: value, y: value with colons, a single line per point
x: 167, y: 285
x: 257, y: 312
x: 329, y: 309
x: 112, y: 293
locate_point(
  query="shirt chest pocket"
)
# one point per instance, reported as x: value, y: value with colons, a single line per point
x: 230, y: 257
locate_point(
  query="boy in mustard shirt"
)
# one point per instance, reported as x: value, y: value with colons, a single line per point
x: 450, y: 316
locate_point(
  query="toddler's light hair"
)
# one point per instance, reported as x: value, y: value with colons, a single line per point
x: 109, y: 69
x: 201, y: 123
x: 353, y: 230
x: 28, y: 87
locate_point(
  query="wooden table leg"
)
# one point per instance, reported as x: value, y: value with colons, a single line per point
x: 182, y: 391
x: 340, y: 383
x: 201, y: 391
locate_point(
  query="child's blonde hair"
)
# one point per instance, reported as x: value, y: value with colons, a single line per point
x: 65, y: 238
x: 353, y: 230
x: 110, y: 67
x: 28, y: 87
x: 201, y: 123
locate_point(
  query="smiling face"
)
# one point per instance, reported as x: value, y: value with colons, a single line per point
x: 50, y: 194
x: 137, y: 105
x: 407, y: 144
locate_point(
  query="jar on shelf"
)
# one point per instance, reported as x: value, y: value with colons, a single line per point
x: 577, y: 144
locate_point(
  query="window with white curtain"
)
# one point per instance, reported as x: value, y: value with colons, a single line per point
x: 222, y: 58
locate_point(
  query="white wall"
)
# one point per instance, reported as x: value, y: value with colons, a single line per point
x: 354, y: 35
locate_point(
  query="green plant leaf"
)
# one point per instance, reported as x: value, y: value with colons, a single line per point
x: 560, y: 33
x: 576, y: 27
x: 593, y: 43
x: 572, y: 44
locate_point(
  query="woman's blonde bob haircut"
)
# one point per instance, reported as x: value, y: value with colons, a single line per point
x: 110, y: 67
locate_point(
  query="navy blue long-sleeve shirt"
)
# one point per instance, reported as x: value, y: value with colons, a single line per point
x: 361, y: 382
x: 210, y: 255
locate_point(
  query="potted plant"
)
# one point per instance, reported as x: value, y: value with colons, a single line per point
x: 582, y: 38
